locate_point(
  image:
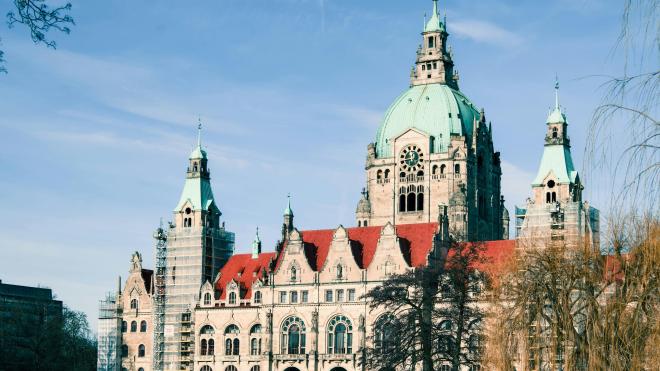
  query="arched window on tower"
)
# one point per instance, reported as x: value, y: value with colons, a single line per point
x: 434, y: 170
x: 420, y: 201
x: 194, y: 167
x: 443, y: 168
x: 379, y: 174
x: 555, y: 132
x: 554, y: 196
x: 387, y: 173
x: 411, y: 202
x: 457, y: 169
x: 547, y: 197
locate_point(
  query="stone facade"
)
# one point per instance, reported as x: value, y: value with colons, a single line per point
x: 432, y: 175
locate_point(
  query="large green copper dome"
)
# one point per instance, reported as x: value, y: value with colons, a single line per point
x: 435, y: 109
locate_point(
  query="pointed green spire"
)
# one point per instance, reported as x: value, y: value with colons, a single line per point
x: 256, y: 245
x: 556, y: 115
x: 434, y: 24
x: 288, y: 211
x: 198, y: 152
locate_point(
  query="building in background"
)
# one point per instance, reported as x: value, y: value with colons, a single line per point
x: 28, y: 315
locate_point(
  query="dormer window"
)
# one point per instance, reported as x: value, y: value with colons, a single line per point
x: 257, y: 297
x: 207, y: 298
x: 232, y: 298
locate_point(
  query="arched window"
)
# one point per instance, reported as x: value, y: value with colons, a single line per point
x: 293, y: 336
x: 231, y: 368
x: 228, y: 345
x: 140, y: 369
x: 387, y: 173
x: 385, y: 334
x: 141, y: 350
x: 340, y: 335
x: 254, y: 347
x: 340, y: 271
x: 554, y: 132
x: 554, y: 196
x: 402, y: 203
x: 134, y: 304
x: 434, y: 170
x: 364, y: 224
x: 410, y: 202
x: 359, y: 223
x: 457, y: 169
x: 133, y: 326
x: 294, y: 274
x: 420, y: 201
x: 124, y: 350
x: 211, y: 347
x: 207, y: 298
x: 232, y: 329
x: 124, y: 326
x: 257, y: 297
x: 446, y: 341
x: 194, y: 166
x: 232, y: 298
x: 420, y: 173
x: 547, y: 197
x: 443, y: 168
x: 143, y: 326
x: 206, y: 368
x: 203, y: 347
x: 236, y: 348
x: 207, y: 330
x: 255, y: 368
x: 379, y: 174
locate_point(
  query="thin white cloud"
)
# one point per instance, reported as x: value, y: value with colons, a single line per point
x: 485, y: 32
x: 516, y: 185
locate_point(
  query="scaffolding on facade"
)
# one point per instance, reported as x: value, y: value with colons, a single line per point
x: 566, y: 224
x: 159, y: 296
x: 109, y: 334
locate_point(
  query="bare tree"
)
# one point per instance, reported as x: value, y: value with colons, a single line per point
x: 433, y: 316
x: 578, y: 310
x: 628, y: 112
x: 40, y: 19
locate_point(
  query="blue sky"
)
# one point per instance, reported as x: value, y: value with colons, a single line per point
x: 94, y: 136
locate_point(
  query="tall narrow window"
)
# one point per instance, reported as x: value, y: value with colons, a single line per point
x: 431, y: 43
x: 232, y: 298
x: 236, y: 349
x: 294, y: 274
x: 207, y: 298
x: 134, y: 304
x: 141, y: 350
x: 143, y: 326
x: 211, y: 349
x: 410, y: 202
x: 133, y: 326
x: 457, y: 169
x: 340, y: 335
x: 402, y: 203
x: 420, y: 201
x: 203, y: 347
x: 443, y: 167
x: 257, y: 297
x: 293, y: 336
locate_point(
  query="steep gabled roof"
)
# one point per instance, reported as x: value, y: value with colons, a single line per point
x: 245, y: 270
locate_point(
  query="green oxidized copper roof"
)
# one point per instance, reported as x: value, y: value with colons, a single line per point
x: 556, y: 116
x: 288, y: 211
x: 198, y: 192
x: 434, y: 24
x: 197, y: 153
x: 435, y: 109
x: 557, y: 159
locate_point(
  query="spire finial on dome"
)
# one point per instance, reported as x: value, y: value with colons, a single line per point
x: 556, y: 92
x: 288, y: 211
x: 199, y: 132
x: 435, y: 7
x: 256, y: 245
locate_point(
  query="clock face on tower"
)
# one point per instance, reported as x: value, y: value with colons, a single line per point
x: 411, y: 158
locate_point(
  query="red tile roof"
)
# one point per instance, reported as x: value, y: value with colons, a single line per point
x: 416, y: 244
x: 245, y: 271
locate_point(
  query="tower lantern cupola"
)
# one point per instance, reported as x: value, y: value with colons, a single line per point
x: 198, y: 167
x: 287, y: 225
x: 256, y: 245
x: 434, y: 63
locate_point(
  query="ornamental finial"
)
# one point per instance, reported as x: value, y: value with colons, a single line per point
x: 199, y: 132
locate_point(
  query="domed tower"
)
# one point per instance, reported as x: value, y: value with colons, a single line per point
x: 363, y: 210
x: 556, y: 213
x: 431, y: 140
